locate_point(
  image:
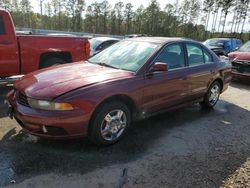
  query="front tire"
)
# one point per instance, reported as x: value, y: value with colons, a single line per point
x: 212, y: 96
x: 110, y: 123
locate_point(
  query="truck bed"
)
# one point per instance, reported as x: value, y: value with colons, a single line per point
x: 32, y: 46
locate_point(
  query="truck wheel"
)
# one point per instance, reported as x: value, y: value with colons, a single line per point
x: 52, y: 62
x: 212, y: 96
x: 110, y: 123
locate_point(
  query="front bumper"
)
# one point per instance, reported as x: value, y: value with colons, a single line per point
x: 49, y: 124
x: 241, y: 76
x: 241, y: 70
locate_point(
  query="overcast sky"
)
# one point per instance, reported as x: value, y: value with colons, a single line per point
x: 145, y: 3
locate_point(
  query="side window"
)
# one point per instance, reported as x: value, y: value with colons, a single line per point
x: 173, y: 55
x: 100, y: 47
x: 103, y: 45
x: 207, y: 56
x: 2, y: 28
x: 195, y: 54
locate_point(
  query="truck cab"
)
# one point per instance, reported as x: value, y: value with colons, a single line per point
x: 9, y: 59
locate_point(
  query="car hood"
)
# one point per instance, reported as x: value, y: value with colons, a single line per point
x: 52, y: 82
x: 239, y: 56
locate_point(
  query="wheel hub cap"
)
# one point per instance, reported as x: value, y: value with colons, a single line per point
x: 113, y: 125
x: 214, y: 94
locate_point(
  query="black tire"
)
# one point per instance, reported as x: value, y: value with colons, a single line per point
x: 52, y: 62
x: 207, y: 102
x: 98, y: 121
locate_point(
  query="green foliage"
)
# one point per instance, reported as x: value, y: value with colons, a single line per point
x: 190, y: 19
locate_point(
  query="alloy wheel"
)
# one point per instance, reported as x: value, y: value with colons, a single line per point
x: 113, y: 125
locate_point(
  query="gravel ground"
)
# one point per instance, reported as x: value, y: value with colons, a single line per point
x: 189, y: 147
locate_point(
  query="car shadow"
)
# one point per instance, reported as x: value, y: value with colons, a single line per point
x: 241, y: 84
x: 3, y: 107
x: 30, y: 157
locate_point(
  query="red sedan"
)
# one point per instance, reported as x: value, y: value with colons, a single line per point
x: 241, y: 62
x: 133, y: 79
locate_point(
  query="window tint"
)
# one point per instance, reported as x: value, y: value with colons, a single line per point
x: 101, y: 46
x: 2, y: 28
x: 195, y: 55
x: 173, y: 55
x: 105, y: 45
x: 207, y: 56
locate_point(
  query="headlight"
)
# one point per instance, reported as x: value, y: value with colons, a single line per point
x: 47, y: 105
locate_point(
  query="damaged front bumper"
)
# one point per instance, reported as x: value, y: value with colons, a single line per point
x: 241, y: 70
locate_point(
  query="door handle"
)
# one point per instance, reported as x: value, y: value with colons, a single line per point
x: 5, y: 42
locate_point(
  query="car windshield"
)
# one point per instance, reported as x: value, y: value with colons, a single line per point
x: 125, y: 55
x: 214, y: 42
x: 245, y: 47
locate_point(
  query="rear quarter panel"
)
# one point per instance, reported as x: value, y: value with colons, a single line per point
x: 224, y: 73
x: 32, y: 47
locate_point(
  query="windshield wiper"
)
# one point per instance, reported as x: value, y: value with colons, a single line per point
x: 107, y: 65
x: 102, y: 64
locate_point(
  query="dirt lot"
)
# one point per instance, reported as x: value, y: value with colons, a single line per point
x: 190, y: 147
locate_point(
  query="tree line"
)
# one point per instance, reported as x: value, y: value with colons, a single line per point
x: 194, y: 19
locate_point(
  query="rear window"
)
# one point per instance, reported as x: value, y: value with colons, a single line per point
x: 2, y: 28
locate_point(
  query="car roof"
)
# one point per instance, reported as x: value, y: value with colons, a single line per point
x: 224, y: 38
x: 105, y: 38
x: 160, y: 40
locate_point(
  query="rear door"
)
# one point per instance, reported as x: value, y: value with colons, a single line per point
x: 9, y: 62
x: 201, y: 69
x: 166, y: 89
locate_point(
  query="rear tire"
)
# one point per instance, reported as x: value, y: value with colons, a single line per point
x: 212, y: 96
x: 52, y: 62
x: 110, y: 123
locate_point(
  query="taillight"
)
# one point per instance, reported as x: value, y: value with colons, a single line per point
x: 87, y: 49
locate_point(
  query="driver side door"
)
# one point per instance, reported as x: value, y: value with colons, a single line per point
x: 166, y: 89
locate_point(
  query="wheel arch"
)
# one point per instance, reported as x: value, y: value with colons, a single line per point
x: 66, y: 56
x: 220, y: 82
x: 128, y: 101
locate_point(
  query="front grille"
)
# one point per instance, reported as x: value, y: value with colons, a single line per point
x: 22, y: 99
x: 241, y: 66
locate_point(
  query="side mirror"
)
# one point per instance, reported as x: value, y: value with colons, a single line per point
x: 159, y: 67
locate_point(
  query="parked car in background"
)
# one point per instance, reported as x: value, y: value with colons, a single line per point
x: 130, y: 80
x: 98, y: 44
x: 21, y: 54
x: 240, y: 60
x: 223, y: 46
x: 136, y: 35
